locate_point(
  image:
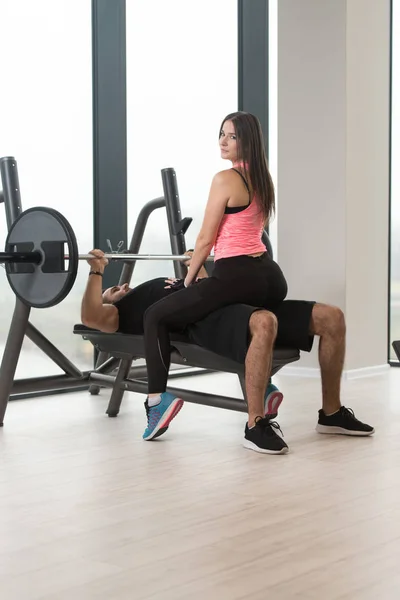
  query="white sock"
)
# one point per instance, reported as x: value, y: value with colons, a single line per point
x: 154, y: 400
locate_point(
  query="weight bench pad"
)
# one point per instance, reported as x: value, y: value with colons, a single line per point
x: 183, y: 352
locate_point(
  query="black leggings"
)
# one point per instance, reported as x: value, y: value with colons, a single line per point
x: 257, y: 281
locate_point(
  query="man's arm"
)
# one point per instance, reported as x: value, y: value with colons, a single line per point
x: 94, y: 313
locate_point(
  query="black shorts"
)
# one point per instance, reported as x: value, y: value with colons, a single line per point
x: 226, y: 331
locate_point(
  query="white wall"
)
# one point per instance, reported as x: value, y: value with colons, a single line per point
x: 46, y: 124
x: 367, y: 181
x: 333, y: 163
x: 395, y: 179
x: 182, y: 81
x: 273, y: 115
x: 311, y: 147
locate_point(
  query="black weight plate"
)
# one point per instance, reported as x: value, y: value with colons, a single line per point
x: 47, y: 231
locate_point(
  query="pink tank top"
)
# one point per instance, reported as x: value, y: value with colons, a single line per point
x: 240, y: 233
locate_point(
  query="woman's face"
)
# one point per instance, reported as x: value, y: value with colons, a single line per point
x: 227, y: 142
x: 113, y: 294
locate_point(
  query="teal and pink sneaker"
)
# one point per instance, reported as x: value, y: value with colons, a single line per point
x: 273, y: 400
x: 161, y: 415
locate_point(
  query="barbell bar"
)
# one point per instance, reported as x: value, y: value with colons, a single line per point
x: 36, y: 257
x: 41, y: 257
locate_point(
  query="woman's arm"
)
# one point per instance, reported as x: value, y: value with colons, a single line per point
x: 217, y: 201
x: 202, y: 274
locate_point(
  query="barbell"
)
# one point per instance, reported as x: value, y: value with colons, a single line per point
x: 36, y: 257
x: 41, y: 257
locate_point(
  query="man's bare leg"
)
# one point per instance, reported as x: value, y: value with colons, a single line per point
x: 328, y: 322
x: 263, y: 327
x: 260, y: 433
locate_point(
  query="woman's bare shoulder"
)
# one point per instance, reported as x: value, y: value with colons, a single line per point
x: 225, y: 177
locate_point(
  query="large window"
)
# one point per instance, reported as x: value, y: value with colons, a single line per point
x: 46, y: 124
x: 181, y: 82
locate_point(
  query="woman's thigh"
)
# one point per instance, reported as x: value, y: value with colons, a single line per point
x: 259, y: 284
x: 190, y: 304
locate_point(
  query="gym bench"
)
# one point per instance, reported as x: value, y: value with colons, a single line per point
x: 128, y: 348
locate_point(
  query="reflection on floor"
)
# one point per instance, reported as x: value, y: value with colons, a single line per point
x: 90, y: 511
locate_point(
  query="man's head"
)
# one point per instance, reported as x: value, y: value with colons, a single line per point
x: 115, y: 293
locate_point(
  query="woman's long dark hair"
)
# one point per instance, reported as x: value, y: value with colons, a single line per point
x: 251, y: 151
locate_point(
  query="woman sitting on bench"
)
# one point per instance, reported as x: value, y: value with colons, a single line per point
x: 241, y: 333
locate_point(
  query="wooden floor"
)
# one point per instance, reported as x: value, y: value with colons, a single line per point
x: 90, y: 511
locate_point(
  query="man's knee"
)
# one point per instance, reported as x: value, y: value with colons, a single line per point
x: 326, y: 319
x: 263, y: 323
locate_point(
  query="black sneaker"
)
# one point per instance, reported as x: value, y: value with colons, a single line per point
x: 342, y: 422
x: 263, y: 437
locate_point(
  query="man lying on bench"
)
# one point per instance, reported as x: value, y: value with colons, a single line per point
x: 244, y: 334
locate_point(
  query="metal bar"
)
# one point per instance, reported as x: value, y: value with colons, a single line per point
x: 242, y: 381
x: 41, y: 393
x: 189, y: 372
x: 140, y: 372
x: 49, y: 383
x: 11, y: 189
x: 133, y: 385
x: 100, y: 359
x: 11, y: 354
x: 137, y: 236
x: 108, y: 365
x: 104, y: 380
x: 118, y: 390
x: 21, y: 257
x: 174, y: 217
x: 52, y: 352
x: 133, y: 257
x: 36, y: 257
